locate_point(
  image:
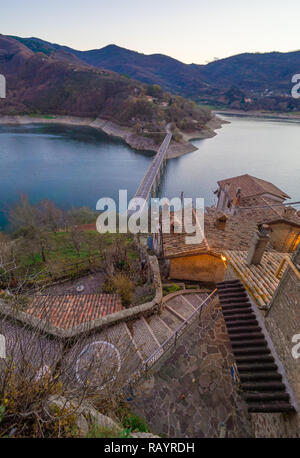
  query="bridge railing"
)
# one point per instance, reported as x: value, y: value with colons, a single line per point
x: 156, y: 164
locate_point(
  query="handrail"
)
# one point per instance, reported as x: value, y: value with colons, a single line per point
x: 176, y: 333
x: 291, y: 264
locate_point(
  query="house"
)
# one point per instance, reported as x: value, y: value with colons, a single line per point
x: 258, y: 205
x: 204, y: 261
x: 246, y: 191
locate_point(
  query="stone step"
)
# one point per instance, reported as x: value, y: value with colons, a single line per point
x: 234, y: 311
x: 247, y: 336
x: 266, y: 396
x: 225, y: 295
x: 196, y: 299
x: 244, y: 322
x: 271, y: 376
x: 159, y: 328
x: 262, y: 386
x: 251, y: 351
x: 144, y: 338
x: 249, y: 343
x: 246, y: 359
x: 257, y: 367
x: 181, y: 307
x: 239, y: 317
x: 172, y: 321
x: 233, y: 306
x: 270, y: 407
x: 243, y: 329
x: 228, y: 284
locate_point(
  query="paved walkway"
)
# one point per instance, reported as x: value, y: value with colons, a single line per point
x: 193, y: 394
x: 92, y: 285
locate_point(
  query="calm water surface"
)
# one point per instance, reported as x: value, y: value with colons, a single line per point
x: 268, y: 149
x: 76, y: 166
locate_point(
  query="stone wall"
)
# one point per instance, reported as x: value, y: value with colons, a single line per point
x: 284, y: 236
x: 205, y: 268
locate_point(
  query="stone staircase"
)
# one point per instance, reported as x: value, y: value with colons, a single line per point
x: 261, y: 375
x: 138, y: 340
x: 149, y: 334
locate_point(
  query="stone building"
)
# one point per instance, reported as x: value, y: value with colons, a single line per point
x: 244, y: 190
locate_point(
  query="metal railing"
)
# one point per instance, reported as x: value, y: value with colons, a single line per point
x: 173, y: 339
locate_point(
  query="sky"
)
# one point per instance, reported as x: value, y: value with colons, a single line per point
x: 193, y: 31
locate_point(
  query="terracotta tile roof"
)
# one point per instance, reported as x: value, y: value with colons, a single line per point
x: 238, y: 233
x: 251, y: 186
x: 260, y: 281
x: 67, y: 312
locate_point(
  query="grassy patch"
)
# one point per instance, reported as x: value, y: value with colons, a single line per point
x: 171, y: 289
x: 135, y: 423
x: 97, y: 432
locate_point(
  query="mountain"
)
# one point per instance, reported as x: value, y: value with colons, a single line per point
x: 245, y: 81
x: 254, y: 72
x: 171, y: 74
x: 46, y: 79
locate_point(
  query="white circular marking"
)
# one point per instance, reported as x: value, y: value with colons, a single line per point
x: 101, y: 346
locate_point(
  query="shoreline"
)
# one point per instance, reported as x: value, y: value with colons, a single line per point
x: 259, y: 114
x: 112, y: 129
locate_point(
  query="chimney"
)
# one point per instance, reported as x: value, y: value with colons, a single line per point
x: 236, y: 202
x: 258, y: 246
x: 221, y: 221
x: 223, y: 197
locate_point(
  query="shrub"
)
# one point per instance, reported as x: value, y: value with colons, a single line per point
x: 135, y: 423
x: 124, y: 287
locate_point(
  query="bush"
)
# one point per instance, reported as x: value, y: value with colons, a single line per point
x: 108, y: 286
x: 124, y: 287
x: 135, y: 423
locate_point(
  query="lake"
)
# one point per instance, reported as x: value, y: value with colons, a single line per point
x: 78, y: 165
x: 267, y: 149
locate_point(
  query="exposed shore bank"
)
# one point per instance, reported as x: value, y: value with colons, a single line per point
x: 137, y: 142
x: 259, y: 114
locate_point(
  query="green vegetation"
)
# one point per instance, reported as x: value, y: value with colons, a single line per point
x: 171, y: 289
x: 97, y: 432
x: 135, y: 423
x: 50, y: 245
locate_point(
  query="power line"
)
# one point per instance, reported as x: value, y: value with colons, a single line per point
x: 270, y: 205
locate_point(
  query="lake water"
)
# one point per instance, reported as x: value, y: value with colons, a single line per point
x: 76, y: 165
x: 267, y: 149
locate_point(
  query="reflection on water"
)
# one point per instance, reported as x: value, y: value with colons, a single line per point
x: 70, y: 165
x: 78, y: 165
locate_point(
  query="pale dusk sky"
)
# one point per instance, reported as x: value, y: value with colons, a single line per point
x: 189, y: 30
